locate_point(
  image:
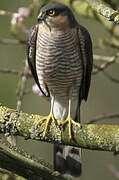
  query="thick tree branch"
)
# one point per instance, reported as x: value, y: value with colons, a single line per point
x: 25, y: 167
x: 91, y: 136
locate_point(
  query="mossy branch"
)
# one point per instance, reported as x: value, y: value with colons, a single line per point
x: 102, y: 8
x: 90, y: 136
x: 22, y: 164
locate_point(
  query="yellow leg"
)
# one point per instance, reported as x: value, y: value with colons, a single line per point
x: 69, y: 120
x: 48, y: 118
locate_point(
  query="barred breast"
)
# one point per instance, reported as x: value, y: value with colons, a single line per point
x: 58, y: 62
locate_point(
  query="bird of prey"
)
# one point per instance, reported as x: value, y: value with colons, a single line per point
x: 59, y: 53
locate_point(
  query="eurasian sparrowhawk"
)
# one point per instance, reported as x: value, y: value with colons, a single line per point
x: 59, y: 52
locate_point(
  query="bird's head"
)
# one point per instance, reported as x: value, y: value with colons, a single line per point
x: 56, y: 15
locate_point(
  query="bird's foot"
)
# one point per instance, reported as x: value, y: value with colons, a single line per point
x: 48, y: 118
x: 70, y: 121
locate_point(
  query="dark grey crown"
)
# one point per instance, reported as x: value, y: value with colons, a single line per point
x: 62, y: 10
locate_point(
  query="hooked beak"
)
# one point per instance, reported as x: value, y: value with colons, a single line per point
x: 41, y: 17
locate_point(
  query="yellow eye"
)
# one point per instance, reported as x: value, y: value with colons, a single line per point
x: 52, y: 12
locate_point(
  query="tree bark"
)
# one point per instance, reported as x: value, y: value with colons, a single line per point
x: 90, y: 136
x: 102, y: 8
x: 25, y: 166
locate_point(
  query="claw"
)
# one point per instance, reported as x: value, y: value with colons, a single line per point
x: 48, y: 118
x: 70, y: 121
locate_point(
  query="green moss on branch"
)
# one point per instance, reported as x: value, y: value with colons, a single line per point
x: 102, y: 8
x: 91, y: 136
x: 24, y: 165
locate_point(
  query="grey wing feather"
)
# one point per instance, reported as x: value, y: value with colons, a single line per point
x: 87, y: 58
x: 31, y: 53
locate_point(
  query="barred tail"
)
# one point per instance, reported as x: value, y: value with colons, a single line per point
x: 67, y: 160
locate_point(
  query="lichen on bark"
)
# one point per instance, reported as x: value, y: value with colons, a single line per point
x: 90, y: 136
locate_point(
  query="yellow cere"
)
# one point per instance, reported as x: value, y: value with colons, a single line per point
x: 40, y: 14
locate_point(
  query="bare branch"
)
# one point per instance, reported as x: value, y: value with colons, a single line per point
x: 107, y: 59
x: 14, y: 72
x: 12, y: 41
x: 114, y: 170
x: 107, y: 62
x: 9, y: 71
x: 5, y: 13
x: 104, y: 116
x: 115, y: 80
x: 22, y: 84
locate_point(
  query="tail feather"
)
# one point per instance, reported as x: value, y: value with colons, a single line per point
x: 67, y: 160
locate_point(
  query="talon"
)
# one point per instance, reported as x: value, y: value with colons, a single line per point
x: 70, y: 121
x: 42, y: 119
x: 48, y: 118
